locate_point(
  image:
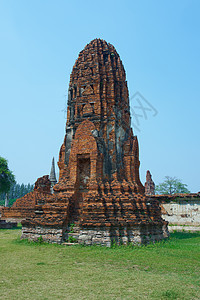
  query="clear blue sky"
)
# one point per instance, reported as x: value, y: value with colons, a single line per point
x: 159, y: 44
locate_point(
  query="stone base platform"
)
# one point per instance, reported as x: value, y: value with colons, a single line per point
x: 49, y: 235
x: 103, y: 236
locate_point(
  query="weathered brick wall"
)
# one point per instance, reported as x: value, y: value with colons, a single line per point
x: 182, y: 211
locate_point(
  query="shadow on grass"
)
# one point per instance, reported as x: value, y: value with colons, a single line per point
x: 184, y: 235
x: 38, y: 242
x: 18, y: 227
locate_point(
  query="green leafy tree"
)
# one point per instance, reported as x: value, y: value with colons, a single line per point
x: 171, y: 185
x: 6, y: 176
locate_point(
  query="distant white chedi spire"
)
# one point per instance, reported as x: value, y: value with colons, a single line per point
x: 52, y: 177
x: 6, y: 200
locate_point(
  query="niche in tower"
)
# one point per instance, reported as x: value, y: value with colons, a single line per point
x: 83, y: 171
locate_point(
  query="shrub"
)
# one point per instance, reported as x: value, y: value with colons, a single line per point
x: 72, y: 228
x: 40, y: 240
x: 72, y: 239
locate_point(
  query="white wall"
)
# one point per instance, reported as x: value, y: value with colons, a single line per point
x: 182, y: 212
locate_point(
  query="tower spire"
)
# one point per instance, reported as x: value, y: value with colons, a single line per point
x: 53, y: 175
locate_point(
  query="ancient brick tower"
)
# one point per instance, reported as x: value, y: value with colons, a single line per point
x: 149, y: 185
x: 99, y: 189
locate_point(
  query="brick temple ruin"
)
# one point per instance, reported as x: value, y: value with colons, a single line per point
x: 99, y: 189
x: 149, y: 185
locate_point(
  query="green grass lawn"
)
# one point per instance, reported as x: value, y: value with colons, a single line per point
x: 165, y: 270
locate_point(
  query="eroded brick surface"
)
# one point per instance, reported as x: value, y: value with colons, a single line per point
x: 25, y: 206
x: 99, y: 188
x: 182, y: 211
